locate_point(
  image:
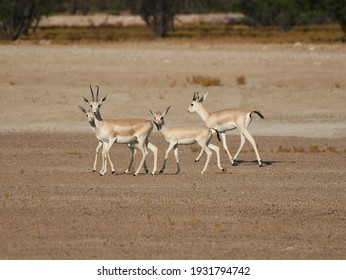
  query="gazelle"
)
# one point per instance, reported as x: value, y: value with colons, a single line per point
x: 226, y: 120
x: 122, y: 131
x: 89, y: 114
x: 186, y: 135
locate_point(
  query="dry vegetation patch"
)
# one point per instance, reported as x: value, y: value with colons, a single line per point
x: 204, y: 81
x: 225, y: 33
x: 310, y: 149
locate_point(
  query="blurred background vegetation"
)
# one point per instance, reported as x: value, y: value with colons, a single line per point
x: 21, y: 18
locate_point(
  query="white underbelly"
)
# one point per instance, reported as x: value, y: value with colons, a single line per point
x: 226, y: 127
x: 125, y: 140
x: 187, y: 141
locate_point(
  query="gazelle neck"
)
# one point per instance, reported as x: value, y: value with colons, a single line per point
x: 203, y: 113
x: 164, y: 129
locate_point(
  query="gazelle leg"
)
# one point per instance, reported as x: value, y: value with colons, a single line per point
x: 144, y: 150
x: 154, y: 149
x: 171, y: 145
x: 176, y: 158
x: 253, y: 143
x: 242, y: 142
x: 217, y: 151
x: 97, y: 150
x: 145, y: 167
x: 208, y: 152
x: 199, y: 156
x: 105, y: 155
x: 109, y: 158
x: 133, y: 154
x: 104, y: 160
x: 223, y: 139
x: 110, y: 162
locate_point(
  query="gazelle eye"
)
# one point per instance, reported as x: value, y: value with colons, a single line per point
x: 191, y: 104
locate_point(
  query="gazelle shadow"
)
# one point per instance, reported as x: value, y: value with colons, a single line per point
x: 265, y: 163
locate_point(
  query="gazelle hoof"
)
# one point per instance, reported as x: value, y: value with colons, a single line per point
x: 94, y: 170
x: 102, y: 174
x: 222, y: 169
x: 235, y: 163
x: 260, y: 164
x: 113, y: 172
x: 161, y: 171
x: 196, y: 160
x: 134, y: 174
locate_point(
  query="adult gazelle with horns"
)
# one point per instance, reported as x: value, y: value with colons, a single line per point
x: 225, y: 120
x: 121, y: 131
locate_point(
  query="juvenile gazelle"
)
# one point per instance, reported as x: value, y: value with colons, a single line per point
x: 89, y: 114
x: 226, y: 120
x: 121, y: 131
x: 186, y: 135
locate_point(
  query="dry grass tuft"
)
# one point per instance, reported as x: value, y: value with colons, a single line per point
x: 241, y: 80
x: 75, y: 153
x: 282, y: 149
x: 331, y: 149
x: 314, y: 149
x: 299, y: 149
x: 205, y: 81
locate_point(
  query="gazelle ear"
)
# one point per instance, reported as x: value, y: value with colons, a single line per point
x: 85, y: 100
x: 150, y: 112
x: 203, y: 97
x: 164, y: 114
x: 103, y: 99
x: 82, y: 109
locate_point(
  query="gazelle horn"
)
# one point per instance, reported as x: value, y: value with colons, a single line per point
x: 92, y: 93
x: 97, y: 93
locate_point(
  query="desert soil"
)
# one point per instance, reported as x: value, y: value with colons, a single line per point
x: 52, y: 206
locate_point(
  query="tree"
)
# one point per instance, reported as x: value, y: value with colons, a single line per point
x: 17, y: 16
x: 159, y: 14
x: 334, y: 8
x: 283, y: 13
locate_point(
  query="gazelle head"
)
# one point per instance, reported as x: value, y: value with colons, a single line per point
x: 89, y: 114
x: 196, y: 101
x: 159, y: 120
x: 95, y: 104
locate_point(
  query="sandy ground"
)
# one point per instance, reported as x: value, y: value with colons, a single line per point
x: 53, y: 207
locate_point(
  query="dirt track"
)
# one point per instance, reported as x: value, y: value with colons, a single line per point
x: 53, y: 207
